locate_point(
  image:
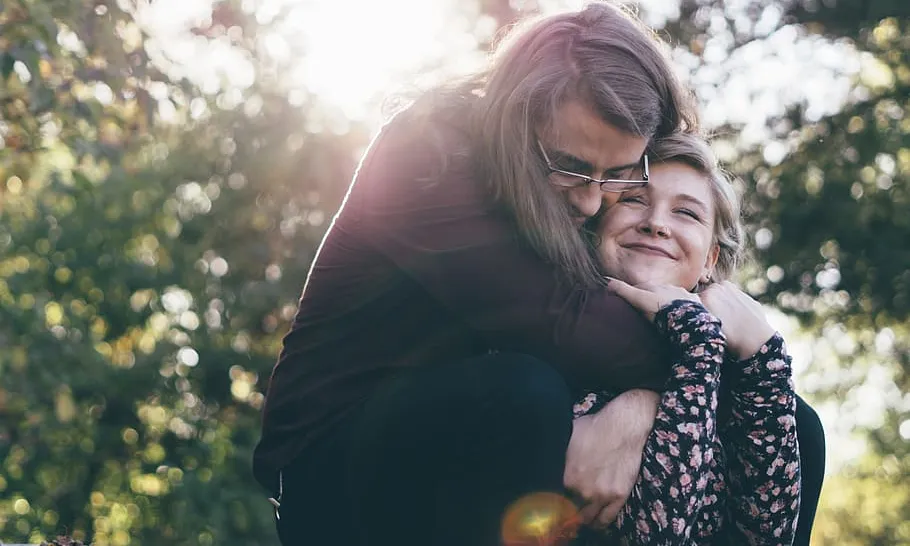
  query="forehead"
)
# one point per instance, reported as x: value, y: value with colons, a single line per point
x: 680, y: 181
x: 578, y: 130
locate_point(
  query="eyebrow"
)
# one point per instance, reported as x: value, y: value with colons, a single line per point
x: 692, y: 199
x: 581, y: 162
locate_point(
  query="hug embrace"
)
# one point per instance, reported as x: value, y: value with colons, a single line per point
x: 523, y: 309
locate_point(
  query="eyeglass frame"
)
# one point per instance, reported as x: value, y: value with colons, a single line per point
x: 603, y: 183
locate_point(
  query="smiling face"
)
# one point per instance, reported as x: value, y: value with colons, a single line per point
x: 662, y: 233
x: 579, y: 141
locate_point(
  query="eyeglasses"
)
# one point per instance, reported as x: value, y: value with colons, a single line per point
x: 568, y: 179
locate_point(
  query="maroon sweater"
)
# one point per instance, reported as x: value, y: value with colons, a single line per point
x: 419, y: 268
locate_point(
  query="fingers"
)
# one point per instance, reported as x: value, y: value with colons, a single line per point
x: 590, y: 512
x: 729, y: 295
x: 649, y: 298
x: 599, y: 514
x: 609, y: 514
x: 639, y: 298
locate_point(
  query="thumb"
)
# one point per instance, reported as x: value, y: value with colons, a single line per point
x: 609, y: 514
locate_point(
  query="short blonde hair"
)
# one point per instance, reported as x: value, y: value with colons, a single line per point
x: 693, y: 150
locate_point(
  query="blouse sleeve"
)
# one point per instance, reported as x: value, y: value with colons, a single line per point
x: 675, y: 485
x: 762, y: 449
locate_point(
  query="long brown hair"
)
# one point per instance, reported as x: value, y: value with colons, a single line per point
x: 602, y: 56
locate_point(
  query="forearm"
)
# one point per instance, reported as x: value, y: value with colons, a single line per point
x: 603, y: 458
x: 763, y: 452
x: 631, y: 412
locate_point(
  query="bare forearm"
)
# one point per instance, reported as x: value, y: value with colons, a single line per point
x: 630, y: 416
x: 604, y: 455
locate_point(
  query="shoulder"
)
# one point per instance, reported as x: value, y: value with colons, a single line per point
x: 413, y: 154
x: 425, y: 137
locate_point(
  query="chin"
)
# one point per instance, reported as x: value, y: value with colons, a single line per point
x: 640, y: 272
x: 635, y: 270
x: 630, y: 276
x: 645, y: 278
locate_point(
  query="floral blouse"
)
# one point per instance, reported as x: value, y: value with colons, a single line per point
x: 702, y: 483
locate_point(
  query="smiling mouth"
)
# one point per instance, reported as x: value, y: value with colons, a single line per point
x: 649, y: 249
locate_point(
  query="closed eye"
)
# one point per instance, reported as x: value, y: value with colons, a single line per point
x: 690, y: 213
x: 632, y: 199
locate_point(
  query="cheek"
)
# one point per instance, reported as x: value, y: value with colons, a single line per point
x: 606, y: 230
x: 616, y: 220
x: 698, y: 247
x: 560, y: 191
x: 611, y: 198
x: 609, y: 249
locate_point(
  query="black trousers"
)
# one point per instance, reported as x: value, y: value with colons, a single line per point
x: 436, y: 456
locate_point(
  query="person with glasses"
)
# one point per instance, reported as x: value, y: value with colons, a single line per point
x: 456, y: 305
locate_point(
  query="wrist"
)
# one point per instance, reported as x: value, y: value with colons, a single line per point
x: 688, y: 323
x: 771, y: 357
x: 753, y: 346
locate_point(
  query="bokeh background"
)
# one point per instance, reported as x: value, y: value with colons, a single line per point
x: 167, y: 170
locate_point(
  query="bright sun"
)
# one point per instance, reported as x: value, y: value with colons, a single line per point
x: 350, y: 51
x: 356, y: 49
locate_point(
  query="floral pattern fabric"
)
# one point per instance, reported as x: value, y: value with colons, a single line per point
x: 704, y: 483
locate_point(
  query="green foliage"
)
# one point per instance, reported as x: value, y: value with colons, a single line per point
x: 147, y: 272
x: 845, y: 244
x: 871, y: 508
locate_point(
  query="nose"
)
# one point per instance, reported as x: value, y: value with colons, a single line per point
x: 586, y: 200
x: 653, y: 223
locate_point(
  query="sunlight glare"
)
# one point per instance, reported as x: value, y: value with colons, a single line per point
x: 357, y: 49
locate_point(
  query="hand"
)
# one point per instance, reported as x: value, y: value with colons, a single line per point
x: 742, y: 318
x: 649, y: 298
x: 605, y: 451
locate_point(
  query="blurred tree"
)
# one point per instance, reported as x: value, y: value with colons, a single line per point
x: 153, y: 242
x: 836, y: 209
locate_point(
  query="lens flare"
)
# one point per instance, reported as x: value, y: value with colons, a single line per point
x: 540, y: 519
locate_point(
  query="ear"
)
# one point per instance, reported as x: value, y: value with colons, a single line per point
x: 710, y: 263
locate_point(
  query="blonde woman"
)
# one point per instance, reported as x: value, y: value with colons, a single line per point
x: 670, y: 247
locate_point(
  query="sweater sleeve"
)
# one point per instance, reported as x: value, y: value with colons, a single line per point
x: 762, y: 449
x: 434, y: 220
